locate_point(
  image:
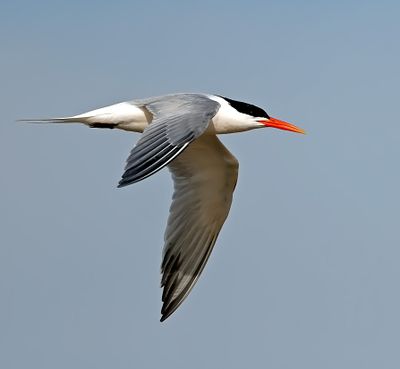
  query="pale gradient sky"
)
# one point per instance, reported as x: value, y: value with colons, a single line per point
x: 305, y: 273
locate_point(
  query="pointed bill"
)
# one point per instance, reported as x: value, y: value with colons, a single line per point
x: 280, y: 124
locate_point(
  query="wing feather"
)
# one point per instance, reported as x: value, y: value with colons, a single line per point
x: 204, y: 177
x: 204, y: 174
x: 177, y: 121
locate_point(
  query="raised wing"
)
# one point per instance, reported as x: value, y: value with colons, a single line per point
x: 204, y: 177
x: 177, y: 121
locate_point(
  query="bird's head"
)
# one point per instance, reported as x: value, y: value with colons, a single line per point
x: 258, y: 118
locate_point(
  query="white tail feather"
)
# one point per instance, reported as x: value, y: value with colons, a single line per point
x: 124, y: 116
x: 74, y: 119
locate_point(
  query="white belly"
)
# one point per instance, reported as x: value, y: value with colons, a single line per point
x: 124, y: 115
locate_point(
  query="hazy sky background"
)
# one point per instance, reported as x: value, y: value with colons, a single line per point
x: 305, y: 273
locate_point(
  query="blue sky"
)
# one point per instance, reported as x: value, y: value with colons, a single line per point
x: 305, y: 272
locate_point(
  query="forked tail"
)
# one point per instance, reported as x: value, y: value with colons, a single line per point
x: 51, y: 120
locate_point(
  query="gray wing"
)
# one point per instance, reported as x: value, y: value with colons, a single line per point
x: 177, y: 121
x: 204, y: 177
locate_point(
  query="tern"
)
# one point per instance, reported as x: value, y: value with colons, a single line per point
x: 180, y: 131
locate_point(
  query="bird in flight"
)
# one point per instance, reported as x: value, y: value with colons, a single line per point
x: 180, y: 131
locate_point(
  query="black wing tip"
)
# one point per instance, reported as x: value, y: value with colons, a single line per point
x: 127, y: 180
x: 171, y: 305
x: 167, y: 311
x: 123, y: 183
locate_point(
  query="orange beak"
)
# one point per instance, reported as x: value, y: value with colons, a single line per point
x: 280, y: 124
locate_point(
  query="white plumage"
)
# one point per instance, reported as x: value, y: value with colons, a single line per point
x: 179, y: 131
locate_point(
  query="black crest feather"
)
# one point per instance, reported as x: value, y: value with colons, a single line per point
x: 246, y: 108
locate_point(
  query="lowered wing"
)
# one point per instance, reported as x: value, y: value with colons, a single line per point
x: 204, y: 177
